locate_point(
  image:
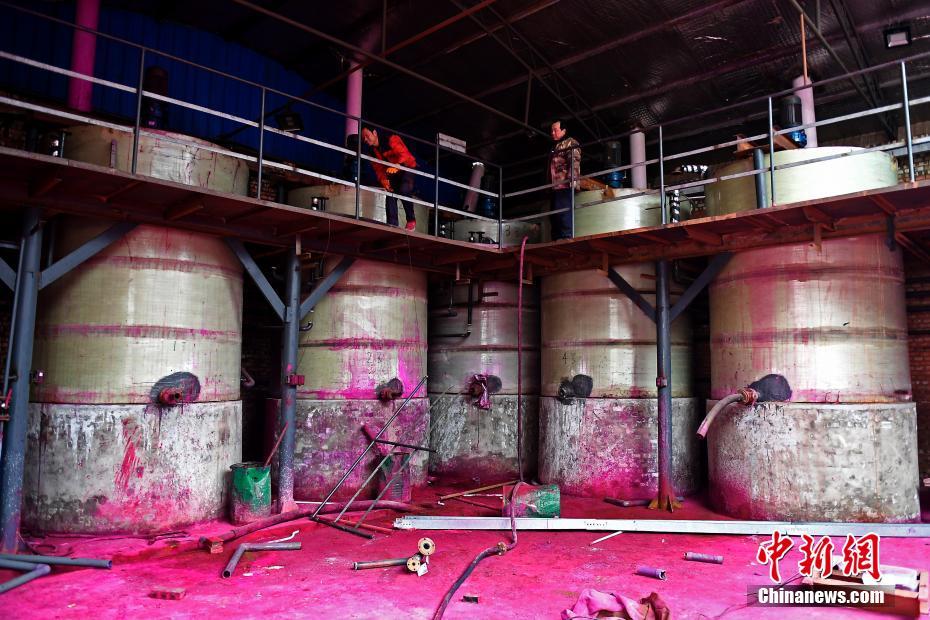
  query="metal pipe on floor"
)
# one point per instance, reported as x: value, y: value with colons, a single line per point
x: 34, y: 572
x: 237, y: 554
x: 57, y: 561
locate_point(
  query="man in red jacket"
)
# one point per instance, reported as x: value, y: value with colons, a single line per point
x: 393, y: 179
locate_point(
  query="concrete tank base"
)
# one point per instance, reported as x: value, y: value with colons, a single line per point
x: 603, y: 447
x: 815, y: 462
x: 330, y: 438
x: 481, y: 446
x: 109, y: 469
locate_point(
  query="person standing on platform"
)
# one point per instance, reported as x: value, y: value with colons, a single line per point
x: 565, y: 180
x: 392, y: 179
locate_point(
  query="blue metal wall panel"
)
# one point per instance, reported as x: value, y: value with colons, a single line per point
x: 47, y: 42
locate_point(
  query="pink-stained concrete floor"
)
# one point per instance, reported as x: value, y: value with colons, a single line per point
x: 540, y: 578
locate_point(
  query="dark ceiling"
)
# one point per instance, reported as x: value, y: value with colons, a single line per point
x: 607, y: 66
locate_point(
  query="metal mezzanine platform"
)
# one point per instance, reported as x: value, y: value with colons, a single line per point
x: 64, y: 186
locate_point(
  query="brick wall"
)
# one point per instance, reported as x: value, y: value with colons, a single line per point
x: 918, y: 325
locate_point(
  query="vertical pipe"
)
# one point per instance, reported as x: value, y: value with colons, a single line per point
x: 571, y: 188
x: 500, y: 207
x: 758, y: 163
x: 908, y: 139
x: 471, y: 196
x: 261, y: 146
x: 358, y: 176
x: 140, y: 86
x: 83, y: 50
x: 808, y: 115
x: 354, y: 98
x: 436, y: 193
x: 288, y: 390
x: 637, y: 157
x: 14, y: 437
x: 666, y: 493
x: 771, y: 156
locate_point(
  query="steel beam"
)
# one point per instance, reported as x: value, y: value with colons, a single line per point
x: 710, y: 272
x: 257, y: 276
x: 373, y: 56
x: 632, y: 293
x: 288, y: 410
x: 14, y: 437
x: 323, y: 287
x: 666, y: 526
x: 90, y: 249
x: 7, y: 275
x: 538, y: 56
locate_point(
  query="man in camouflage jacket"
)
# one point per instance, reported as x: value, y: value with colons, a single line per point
x: 564, y: 179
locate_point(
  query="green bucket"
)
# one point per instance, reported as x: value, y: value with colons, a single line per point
x: 250, y: 498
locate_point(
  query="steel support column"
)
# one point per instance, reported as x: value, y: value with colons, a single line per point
x: 14, y: 437
x: 666, y: 498
x: 289, y: 382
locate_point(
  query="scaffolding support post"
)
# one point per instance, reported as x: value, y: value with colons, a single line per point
x: 12, y: 461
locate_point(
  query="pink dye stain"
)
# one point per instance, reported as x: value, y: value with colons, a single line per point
x: 543, y: 575
x: 128, y: 466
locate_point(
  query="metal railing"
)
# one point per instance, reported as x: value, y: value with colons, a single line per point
x: 263, y: 162
x: 908, y: 144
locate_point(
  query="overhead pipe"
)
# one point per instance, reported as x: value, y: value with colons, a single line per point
x: 471, y: 196
x: 808, y: 115
x: 83, y: 52
x: 355, y: 82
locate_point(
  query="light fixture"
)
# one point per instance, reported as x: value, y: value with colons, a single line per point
x: 899, y: 36
x: 290, y: 122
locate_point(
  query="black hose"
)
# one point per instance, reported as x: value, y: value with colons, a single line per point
x: 500, y: 549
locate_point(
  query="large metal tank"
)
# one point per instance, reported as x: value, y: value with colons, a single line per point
x: 606, y: 444
x: 831, y: 320
x: 473, y: 443
x: 369, y: 329
x: 341, y: 199
x: 158, y: 308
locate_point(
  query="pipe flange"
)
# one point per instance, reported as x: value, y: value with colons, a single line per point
x: 426, y: 546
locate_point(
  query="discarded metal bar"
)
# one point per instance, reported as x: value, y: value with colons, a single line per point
x: 34, y: 571
x: 648, y: 571
x: 379, y: 563
x: 627, y: 503
x: 677, y: 526
x: 57, y: 561
x: 691, y: 556
x: 478, y: 490
x: 357, y: 524
x: 371, y: 444
x: 339, y: 526
x: 603, y: 538
x: 237, y: 554
x: 404, y: 445
x: 403, y: 466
